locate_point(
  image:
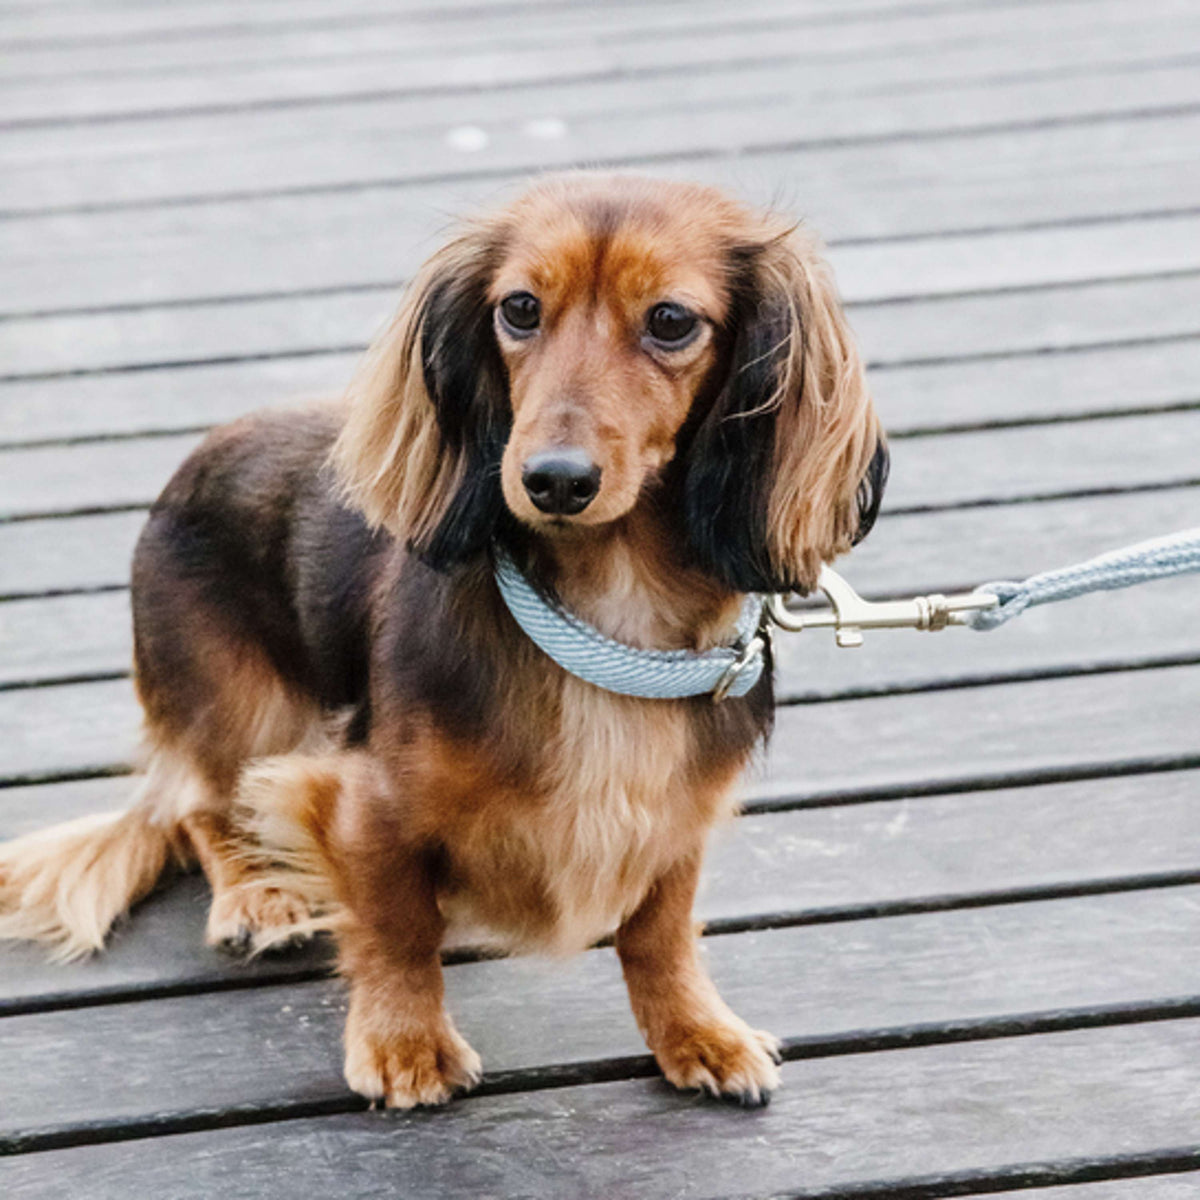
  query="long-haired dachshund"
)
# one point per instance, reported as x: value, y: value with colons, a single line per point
x: 642, y: 397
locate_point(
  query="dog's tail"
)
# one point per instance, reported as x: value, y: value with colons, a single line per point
x: 66, y: 886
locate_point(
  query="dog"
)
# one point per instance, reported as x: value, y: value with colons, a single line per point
x: 642, y: 399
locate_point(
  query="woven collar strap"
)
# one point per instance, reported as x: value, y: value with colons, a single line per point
x: 585, y: 652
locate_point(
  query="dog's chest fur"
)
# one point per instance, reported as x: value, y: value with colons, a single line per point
x: 563, y: 865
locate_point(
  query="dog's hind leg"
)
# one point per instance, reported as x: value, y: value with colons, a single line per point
x: 253, y: 907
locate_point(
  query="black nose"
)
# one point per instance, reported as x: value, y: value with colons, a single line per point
x: 561, y: 481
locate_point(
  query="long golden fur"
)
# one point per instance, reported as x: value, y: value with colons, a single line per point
x: 647, y: 394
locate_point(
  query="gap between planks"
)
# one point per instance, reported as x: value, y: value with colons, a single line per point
x: 643, y: 1066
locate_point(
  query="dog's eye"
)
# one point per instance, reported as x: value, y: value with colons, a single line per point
x: 671, y: 325
x: 521, y: 312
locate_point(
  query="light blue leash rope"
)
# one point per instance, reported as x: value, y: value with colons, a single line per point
x: 734, y: 670
x: 1175, y: 554
x: 652, y: 674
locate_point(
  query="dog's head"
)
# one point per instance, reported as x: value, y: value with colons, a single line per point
x: 609, y: 340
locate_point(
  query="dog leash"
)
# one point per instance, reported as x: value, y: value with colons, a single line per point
x: 733, y: 670
x: 991, y: 604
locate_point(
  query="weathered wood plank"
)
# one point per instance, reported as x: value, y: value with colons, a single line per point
x: 1053, y: 174
x: 79, y: 553
x: 957, y: 550
x: 842, y: 984
x: 936, y: 328
x: 814, y: 862
x: 135, y: 32
x: 1038, y: 387
x: 941, y: 471
x: 977, y: 74
x: 810, y: 864
x: 65, y: 636
x: 160, y: 950
x: 917, y: 398
x: 73, y: 553
x: 137, y: 36
x: 987, y: 466
x: 627, y: 49
x: 1155, y: 1187
x: 175, y: 398
x: 1001, y: 734
x: 342, y: 323
x: 744, y: 108
x: 91, y: 476
x: 982, y: 1110
x: 1026, y: 322
x: 86, y: 727
x: 1142, y: 627
x: 1024, y: 57
x: 87, y: 636
x: 24, y: 809
x: 997, y: 733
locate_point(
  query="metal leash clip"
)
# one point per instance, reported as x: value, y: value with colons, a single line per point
x: 850, y: 614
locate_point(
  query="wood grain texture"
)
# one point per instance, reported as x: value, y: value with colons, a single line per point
x: 211, y: 208
x: 629, y: 47
x: 37, y: 557
x: 848, y: 984
x: 934, y: 471
x: 1007, y: 73
x: 810, y: 865
x: 910, y: 398
x: 950, y: 550
x: 890, y: 333
x: 64, y: 638
x: 55, y: 44
x: 749, y: 106
x: 936, y: 1114
x: 145, y: 255
x: 173, y: 398
x: 940, y: 739
x: 1181, y: 1186
x: 160, y: 950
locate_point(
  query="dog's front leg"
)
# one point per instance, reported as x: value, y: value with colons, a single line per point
x: 698, y: 1041
x: 401, y: 1046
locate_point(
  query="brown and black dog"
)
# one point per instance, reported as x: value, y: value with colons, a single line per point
x: 646, y: 394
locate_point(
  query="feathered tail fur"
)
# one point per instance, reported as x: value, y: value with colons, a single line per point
x: 66, y: 886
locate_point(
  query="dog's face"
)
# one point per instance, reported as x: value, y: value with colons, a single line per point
x: 605, y: 316
x: 552, y: 362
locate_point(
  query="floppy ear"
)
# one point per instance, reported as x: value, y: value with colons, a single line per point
x: 787, y: 467
x: 429, y: 412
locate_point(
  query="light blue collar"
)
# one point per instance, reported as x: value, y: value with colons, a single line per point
x: 652, y: 674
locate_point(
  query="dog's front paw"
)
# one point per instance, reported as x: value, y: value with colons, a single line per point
x: 424, y: 1065
x: 254, y: 916
x: 723, y: 1058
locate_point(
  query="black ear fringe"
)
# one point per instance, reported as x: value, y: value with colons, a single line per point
x: 871, y: 489
x: 467, y: 383
x: 729, y: 458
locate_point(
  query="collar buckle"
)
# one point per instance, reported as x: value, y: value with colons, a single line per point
x: 749, y: 659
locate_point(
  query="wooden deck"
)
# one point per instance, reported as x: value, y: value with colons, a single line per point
x: 966, y: 890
